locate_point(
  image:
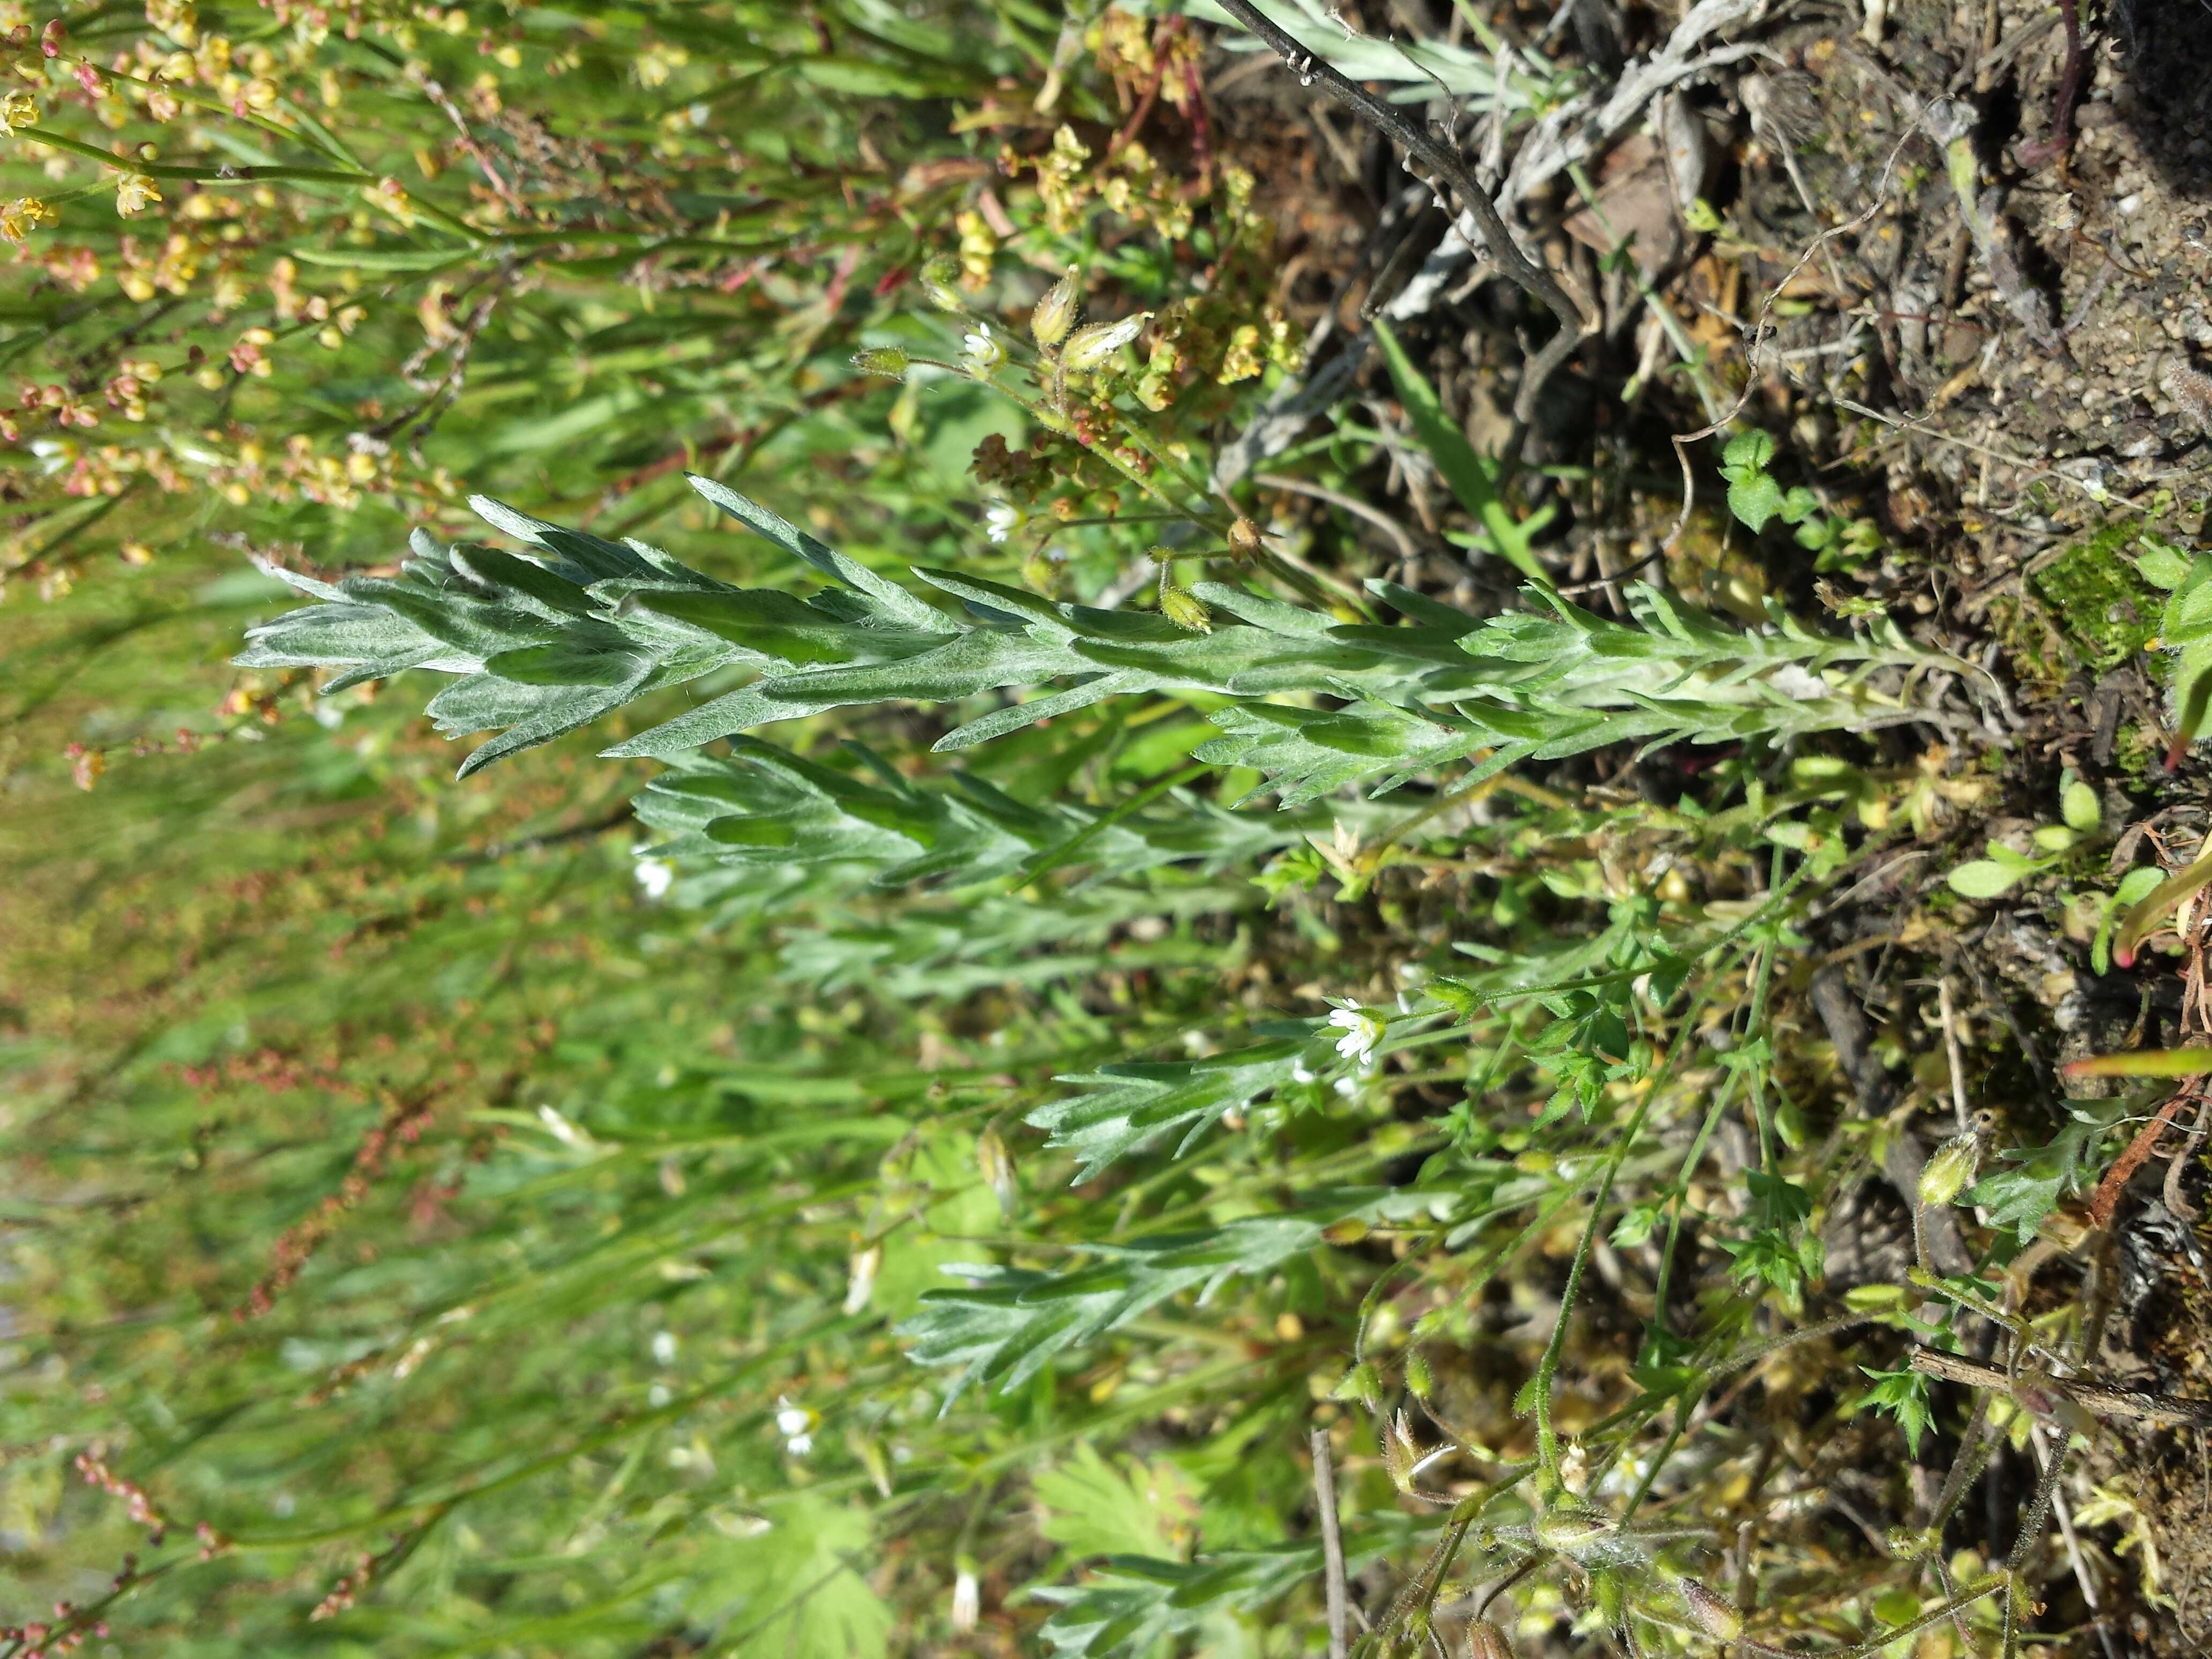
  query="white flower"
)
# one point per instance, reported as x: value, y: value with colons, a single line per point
x: 655, y: 876
x: 664, y: 1347
x: 981, y: 349
x: 796, y: 1424
x: 1362, y: 1028
x: 1301, y: 1072
x: 1002, y: 519
x: 966, y: 1600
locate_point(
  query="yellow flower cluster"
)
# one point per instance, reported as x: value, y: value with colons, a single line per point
x: 20, y: 217
x: 1130, y: 183
x: 170, y: 271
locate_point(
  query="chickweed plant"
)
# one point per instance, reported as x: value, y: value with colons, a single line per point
x: 1057, y: 1026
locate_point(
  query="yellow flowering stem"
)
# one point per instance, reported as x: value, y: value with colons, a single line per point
x: 227, y: 174
x: 314, y: 131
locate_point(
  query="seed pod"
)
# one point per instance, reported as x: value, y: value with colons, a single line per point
x: 1573, y: 1528
x: 1418, y: 1383
x: 1244, y: 538
x: 882, y: 360
x: 1186, y: 609
x: 1486, y: 1641
x: 1093, y: 344
x: 1713, y: 1615
x: 1055, y: 313
x: 1950, y: 1169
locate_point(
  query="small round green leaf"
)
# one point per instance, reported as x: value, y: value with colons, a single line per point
x: 2077, y: 805
x: 1982, y: 879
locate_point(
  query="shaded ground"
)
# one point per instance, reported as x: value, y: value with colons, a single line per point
x: 2005, y: 394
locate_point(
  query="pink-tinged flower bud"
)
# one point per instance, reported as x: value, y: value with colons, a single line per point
x: 1055, y: 313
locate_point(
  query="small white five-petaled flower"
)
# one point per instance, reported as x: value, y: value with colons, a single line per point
x: 1002, y: 519
x: 796, y: 1424
x: 981, y: 349
x: 1362, y: 1028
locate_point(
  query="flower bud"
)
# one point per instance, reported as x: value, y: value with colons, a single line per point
x: 1418, y: 1383
x: 998, y: 1167
x: 1713, y: 1615
x: 1055, y: 313
x: 1574, y: 1529
x: 1244, y: 538
x: 937, y: 279
x: 1399, y: 1454
x: 1095, y: 343
x: 1486, y: 1641
x: 1949, y: 1169
x: 1362, y: 1383
x: 882, y: 360
x: 1185, y: 609
x: 861, y: 1285
x: 967, y: 1596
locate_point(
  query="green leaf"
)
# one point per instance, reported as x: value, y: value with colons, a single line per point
x: 1755, y: 498
x: 1902, y: 1395
x: 1984, y: 878
x: 1010, y: 1321
x: 1747, y: 452
x: 2077, y: 805
x: 1093, y: 1507
x: 1126, y: 1106
x: 1137, y: 1603
x: 797, y: 1589
x: 2029, y: 1185
x: 2161, y: 564
x: 1473, y: 478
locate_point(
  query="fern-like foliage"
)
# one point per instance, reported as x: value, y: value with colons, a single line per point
x: 1125, y: 1107
x: 1135, y: 1603
x: 920, y: 951
x: 767, y: 807
x: 1130, y: 1603
x: 549, y: 642
x: 1003, y: 1328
